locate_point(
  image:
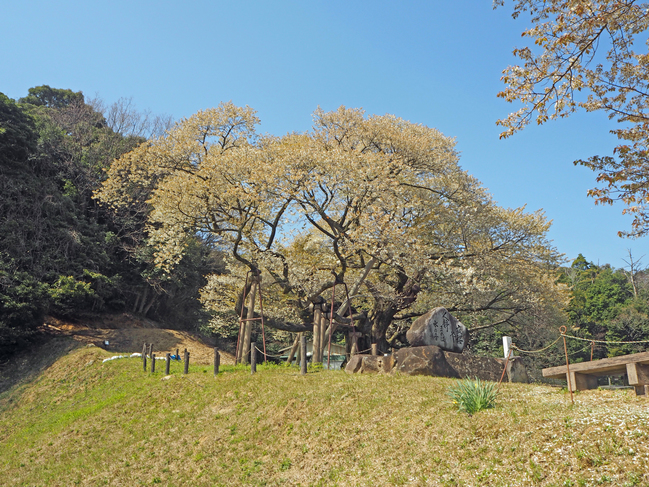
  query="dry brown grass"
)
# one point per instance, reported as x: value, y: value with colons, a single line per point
x: 127, y: 333
x: 91, y: 423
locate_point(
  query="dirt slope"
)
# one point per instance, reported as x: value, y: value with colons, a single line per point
x: 124, y: 333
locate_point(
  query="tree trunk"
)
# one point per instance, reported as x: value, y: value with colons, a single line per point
x: 368, y: 267
x: 385, y: 309
x: 381, y: 320
x: 296, y: 344
x: 317, y: 335
x: 137, y: 300
x: 148, y: 306
x: 240, y: 308
x: 328, y: 331
x: 143, y: 300
x: 245, y: 357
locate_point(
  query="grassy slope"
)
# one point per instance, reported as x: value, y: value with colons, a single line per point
x: 91, y: 423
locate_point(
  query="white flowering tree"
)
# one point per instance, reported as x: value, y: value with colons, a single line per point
x: 377, y: 202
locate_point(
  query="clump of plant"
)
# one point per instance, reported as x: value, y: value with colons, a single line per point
x: 472, y: 396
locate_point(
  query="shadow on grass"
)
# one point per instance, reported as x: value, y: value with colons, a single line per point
x: 31, y: 362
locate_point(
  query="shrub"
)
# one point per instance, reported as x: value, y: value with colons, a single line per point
x: 472, y: 396
x: 22, y: 306
x: 68, y: 296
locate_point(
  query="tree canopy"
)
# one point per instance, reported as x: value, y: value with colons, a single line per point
x: 376, y: 202
x: 607, y: 304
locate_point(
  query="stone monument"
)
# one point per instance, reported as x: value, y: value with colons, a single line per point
x: 439, y: 328
x: 437, y: 340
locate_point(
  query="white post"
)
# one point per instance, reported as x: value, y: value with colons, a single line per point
x: 507, y: 346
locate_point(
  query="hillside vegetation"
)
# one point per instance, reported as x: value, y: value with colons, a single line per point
x: 61, y: 253
x: 88, y: 422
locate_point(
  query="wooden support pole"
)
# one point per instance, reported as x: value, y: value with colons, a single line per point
x: 217, y: 361
x: 375, y: 348
x: 296, y: 344
x: 247, y: 335
x: 242, y: 325
x: 261, y: 311
x: 144, y: 361
x: 354, y: 336
x: 324, y: 329
x: 153, y: 363
x: 562, y: 330
x: 317, y: 324
x: 167, y: 363
x: 242, y: 330
x: 327, y: 340
x: 303, y: 354
x: 144, y: 349
x: 253, y: 358
x: 186, y: 370
x: 348, y: 348
x: 330, y: 328
x: 150, y: 350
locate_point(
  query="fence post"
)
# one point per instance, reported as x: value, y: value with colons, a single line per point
x: 150, y: 350
x: 562, y: 330
x: 167, y: 364
x: 152, y: 363
x: 253, y: 358
x: 303, y: 354
x: 186, y: 371
x: 144, y: 362
x: 217, y: 361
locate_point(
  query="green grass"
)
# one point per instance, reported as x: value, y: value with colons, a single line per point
x: 84, y: 422
x: 472, y: 396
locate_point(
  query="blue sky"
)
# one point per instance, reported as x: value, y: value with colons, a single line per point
x: 432, y: 62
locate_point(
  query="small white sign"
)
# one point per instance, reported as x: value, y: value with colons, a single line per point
x: 507, y: 346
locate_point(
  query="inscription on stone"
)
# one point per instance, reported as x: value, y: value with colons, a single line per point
x: 440, y: 328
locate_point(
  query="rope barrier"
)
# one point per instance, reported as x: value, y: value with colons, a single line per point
x: 270, y: 355
x: 579, y: 351
x: 562, y: 335
x: 536, y: 351
x: 604, y: 341
x: 280, y: 356
x: 589, y: 340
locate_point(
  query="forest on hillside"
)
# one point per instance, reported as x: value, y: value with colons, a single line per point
x: 107, y: 209
x: 62, y: 253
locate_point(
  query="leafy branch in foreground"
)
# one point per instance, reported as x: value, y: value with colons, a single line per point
x: 583, y: 57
